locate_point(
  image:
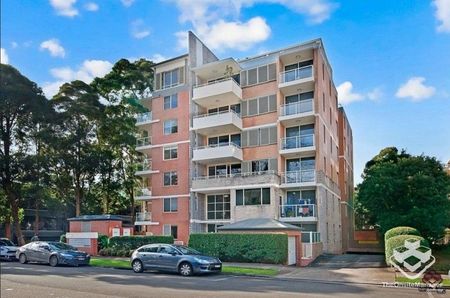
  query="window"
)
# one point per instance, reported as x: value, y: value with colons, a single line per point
x: 170, y: 230
x: 259, y: 105
x: 323, y: 101
x: 170, y: 126
x: 324, y: 139
x: 224, y: 170
x: 218, y: 207
x: 256, y: 196
x: 331, y: 145
x: 170, y: 78
x: 225, y: 140
x: 260, y: 165
x: 323, y: 71
x: 171, y: 101
x: 170, y: 204
x: 212, y: 228
x: 259, y: 136
x: 170, y: 178
x: 330, y: 117
x: 170, y: 152
x: 258, y: 75
x: 153, y: 248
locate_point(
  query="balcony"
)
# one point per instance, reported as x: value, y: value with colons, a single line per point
x: 217, y: 93
x: 210, y: 183
x: 143, y: 118
x: 144, y: 194
x: 299, y: 78
x: 297, y: 146
x: 290, y: 113
x: 298, y: 178
x: 298, y: 213
x: 143, y: 143
x: 144, y: 219
x: 223, y: 152
x: 226, y: 122
x: 145, y: 168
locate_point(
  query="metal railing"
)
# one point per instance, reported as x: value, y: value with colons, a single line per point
x: 217, y: 146
x: 217, y: 113
x: 310, y: 237
x: 144, y: 191
x: 233, y: 175
x: 298, y: 176
x: 216, y: 82
x: 145, y: 165
x: 143, y: 216
x: 302, y: 106
x: 297, y: 142
x: 298, y: 210
x: 143, y: 117
x: 143, y: 141
x: 296, y: 74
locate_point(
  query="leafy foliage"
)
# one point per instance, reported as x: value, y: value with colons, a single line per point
x: 102, y: 241
x: 133, y: 242
x: 398, y: 241
x: 400, y: 231
x: 253, y: 248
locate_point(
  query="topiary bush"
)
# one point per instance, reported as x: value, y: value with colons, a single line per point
x: 252, y: 248
x: 133, y: 242
x: 398, y: 241
x: 401, y: 231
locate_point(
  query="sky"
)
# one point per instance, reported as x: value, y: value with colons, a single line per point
x: 390, y: 59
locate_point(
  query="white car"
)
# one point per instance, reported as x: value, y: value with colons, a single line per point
x: 7, y: 249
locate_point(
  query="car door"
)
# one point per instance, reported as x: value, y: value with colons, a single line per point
x: 148, y: 255
x: 168, y: 257
x: 43, y: 253
x: 31, y: 252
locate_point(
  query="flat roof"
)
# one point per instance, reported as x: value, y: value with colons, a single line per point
x: 259, y: 224
x: 96, y: 217
x: 170, y: 60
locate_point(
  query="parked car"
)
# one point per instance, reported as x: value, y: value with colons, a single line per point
x: 53, y: 253
x: 7, y: 249
x: 176, y: 258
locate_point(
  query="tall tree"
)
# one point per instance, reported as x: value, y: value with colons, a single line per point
x: 22, y: 107
x: 79, y: 114
x: 404, y: 190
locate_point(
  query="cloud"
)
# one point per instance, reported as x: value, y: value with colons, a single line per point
x: 218, y: 23
x: 156, y: 58
x: 346, y: 94
x: 64, y: 7
x: 53, y: 46
x: 14, y: 45
x: 4, y: 56
x: 376, y: 94
x: 442, y: 14
x: 415, y: 89
x: 127, y: 3
x: 139, y: 30
x: 91, y: 6
x: 86, y: 72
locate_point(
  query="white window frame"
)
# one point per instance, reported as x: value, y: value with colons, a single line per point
x: 170, y: 97
x: 170, y: 149
x: 171, y: 174
x: 171, y: 199
x: 171, y: 121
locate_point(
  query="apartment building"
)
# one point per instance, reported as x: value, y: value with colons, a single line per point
x: 226, y: 140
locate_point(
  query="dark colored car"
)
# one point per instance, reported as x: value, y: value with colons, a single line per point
x: 7, y: 249
x: 53, y: 253
x: 176, y: 258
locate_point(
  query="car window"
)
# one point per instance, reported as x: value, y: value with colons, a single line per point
x: 6, y: 242
x: 187, y: 250
x: 61, y: 246
x: 149, y: 249
x: 166, y: 249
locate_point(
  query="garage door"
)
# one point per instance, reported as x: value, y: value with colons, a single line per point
x: 291, y: 251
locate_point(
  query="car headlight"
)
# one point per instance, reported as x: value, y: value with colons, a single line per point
x: 66, y: 256
x: 201, y: 261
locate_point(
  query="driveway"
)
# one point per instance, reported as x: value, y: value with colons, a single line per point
x: 350, y: 261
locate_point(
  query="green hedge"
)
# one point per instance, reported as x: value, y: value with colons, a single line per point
x: 398, y: 241
x: 102, y: 241
x: 401, y: 231
x: 133, y: 242
x: 252, y: 248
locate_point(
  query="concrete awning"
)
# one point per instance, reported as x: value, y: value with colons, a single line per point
x: 96, y: 217
x: 259, y: 224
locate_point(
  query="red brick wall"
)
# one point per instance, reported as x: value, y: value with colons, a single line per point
x: 100, y: 226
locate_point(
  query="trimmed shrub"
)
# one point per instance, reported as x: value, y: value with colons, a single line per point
x: 401, y: 231
x: 102, y: 241
x: 133, y: 242
x: 398, y: 241
x: 63, y: 238
x: 252, y: 248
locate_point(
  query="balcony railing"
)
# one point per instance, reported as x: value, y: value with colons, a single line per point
x: 296, y: 74
x: 303, y: 106
x: 216, y: 82
x: 144, y: 117
x: 217, y: 146
x: 233, y: 179
x: 234, y: 175
x: 217, y: 113
x: 297, y: 142
x: 145, y: 165
x: 143, y: 216
x: 297, y: 210
x: 298, y: 176
x: 143, y: 141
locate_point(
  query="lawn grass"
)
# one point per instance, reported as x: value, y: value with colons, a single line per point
x: 125, y: 264
x: 445, y: 282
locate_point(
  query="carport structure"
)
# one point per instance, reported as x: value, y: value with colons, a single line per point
x: 270, y: 226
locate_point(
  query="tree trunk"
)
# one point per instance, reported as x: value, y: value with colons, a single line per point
x: 133, y: 215
x: 77, y: 200
x: 36, y: 218
x: 8, y: 227
x: 16, y: 222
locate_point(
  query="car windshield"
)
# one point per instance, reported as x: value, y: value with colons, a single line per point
x: 6, y: 242
x: 187, y: 251
x: 61, y: 246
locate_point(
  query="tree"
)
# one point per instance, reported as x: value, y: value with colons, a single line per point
x: 22, y: 107
x: 79, y: 112
x: 405, y: 190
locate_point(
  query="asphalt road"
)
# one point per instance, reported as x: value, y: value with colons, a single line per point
x: 34, y: 280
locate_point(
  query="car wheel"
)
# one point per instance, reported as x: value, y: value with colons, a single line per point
x: 53, y: 261
x: 137, y: 266
x: 22, y: 258
x: 185, y: 269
